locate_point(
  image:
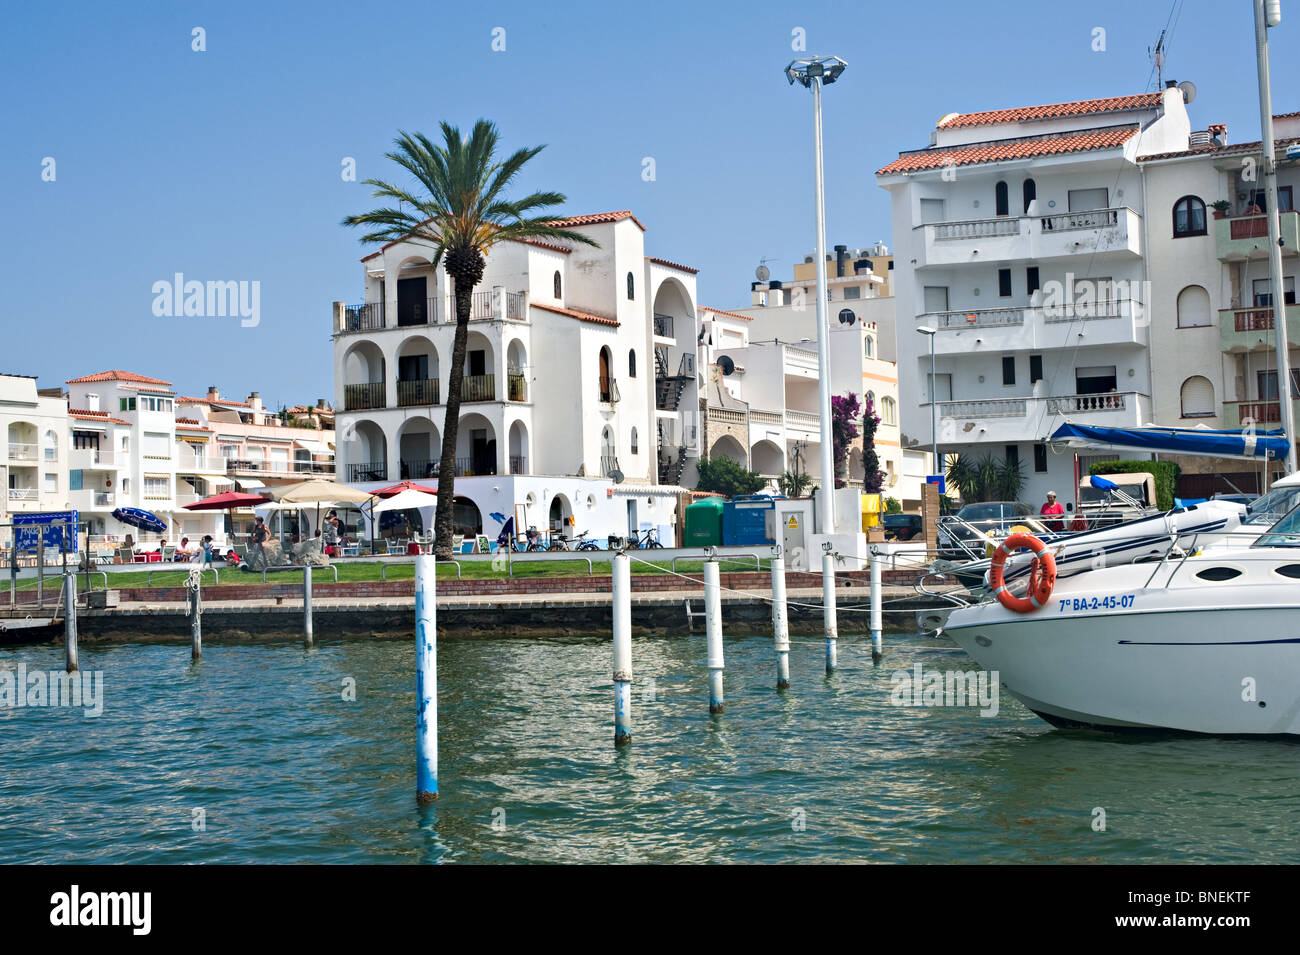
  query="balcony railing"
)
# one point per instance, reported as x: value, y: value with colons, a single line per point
x: 664, y: 326
x: 478, y: 388
x: 1244, y: 237
x: 516, y: 388
x: 518, y: 464
x: 977, y: 228
x: 264, y: 466
x: 23, y: 494
x: 608, y: 464
x: 803, y: 419
x: 516, y: 306
x: 101, y: 498
x: 22, y: 452
x: 726, y: 415
x: 974, y: 318
x: 417, y: 391
x: 1260, y: 412
x: 368, y: 471
x: 480, y: 306
x: 424, y: 311
x: 367, y: 395
x: 801, y: 358
x: 90, y: 457
x: 363, y: 318
x: 985, y: 408
x: 1084, y: 404
x: 1086, y: 219
x: 608, y: 392
x: 421, y: 468
x: 764, y: 417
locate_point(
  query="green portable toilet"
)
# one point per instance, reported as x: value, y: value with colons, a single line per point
x: 704, y: 523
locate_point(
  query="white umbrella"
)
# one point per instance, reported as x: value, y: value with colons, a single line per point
x: 405, y: 500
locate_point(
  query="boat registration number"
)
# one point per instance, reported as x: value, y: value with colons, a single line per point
x: 1111, y: 602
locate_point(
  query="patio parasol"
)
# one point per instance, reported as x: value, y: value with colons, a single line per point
x: 318, y: 492
x: 139, y: 517
x: 225, y: 501
x: 394, y: 489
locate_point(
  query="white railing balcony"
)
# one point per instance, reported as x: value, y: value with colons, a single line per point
x: 998, y: 420
x: 23, y: 452
x: 1037, y: 327
x: 90, y: 499
x: 23, y: 494
x: 1091, y: 232
x: 800, y: 360
x: 803, y: 420
x: 89, y: 459
x: 1084, y: 404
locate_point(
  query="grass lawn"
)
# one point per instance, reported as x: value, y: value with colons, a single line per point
x: 361, y: 571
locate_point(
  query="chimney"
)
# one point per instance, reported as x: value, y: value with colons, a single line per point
x: 862, y: 267
x: 213, y: 394
x: 841, y: 260
x: 320, y: 404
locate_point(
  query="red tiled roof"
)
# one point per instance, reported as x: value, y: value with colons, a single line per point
x: 117, y: 375
x: 597, y: 218
x: 718, y: 311
x: 554, y: 247
x: 581, y: 316
x: 1285, y: 115
x: 1279, y: 145
x: 1083, y: 107
x: 673, y: 265
x: 1000, y: 152
x: 94, y: 416
x: 208, y: 401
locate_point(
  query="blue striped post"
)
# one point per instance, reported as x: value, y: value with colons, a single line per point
x: 426, y: 680
x: 780, y: 621
x: 713, y: 628
x: 877, y: 640
x: 622, y: 572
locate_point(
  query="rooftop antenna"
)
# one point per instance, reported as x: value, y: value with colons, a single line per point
x: 762, y: 273
x: 1159, y: 54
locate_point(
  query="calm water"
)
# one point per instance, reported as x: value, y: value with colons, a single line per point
x: 260, y: 738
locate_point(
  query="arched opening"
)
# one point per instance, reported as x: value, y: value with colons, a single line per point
x: 631, y: 363
x: 518, y: 448
x: 633, y: 446
x: 416, y: 302
x: 608, y: 452
x: 516, y: 371
x: 1194, y: 307
x: 888, y: 411
x: 631, y: 287
x: 557, y: 287
x: 1197, y: 397
x: 363, y: 377
x: 1189, y: 217
x: 366, y: 451
x: 606, y: 374
x: 476, y: 446
x: 478, y: 383
x: 869, y: 346
x: 1002, y: 199
x: 559, y: 514
x: 419, y: 447
x: 466, y: 520
x: 768, y: 458
x: 417, y: 373
x: 728, y: 447
x: 1030, y: 193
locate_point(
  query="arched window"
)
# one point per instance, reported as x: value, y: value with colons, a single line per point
x: 631, y: 286
x: 606, y: 381
x: 1030, y: 191
x: 1003, y: 201
x: 557, y: 287
x: 888, y: 410
x: 869, y: 346
x: 1194, y: 307
x: 1197, y: 396
x: 631, y: 363
x: 1189, y: 217
x: 634, y: 441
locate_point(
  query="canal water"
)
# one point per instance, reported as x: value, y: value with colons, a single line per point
x: 255, y: 755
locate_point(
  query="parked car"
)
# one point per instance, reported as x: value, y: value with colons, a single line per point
x: 901, y: 527
x: 975, y: 521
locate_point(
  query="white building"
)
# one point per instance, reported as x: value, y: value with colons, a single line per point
x: 579, y: 366
x: 1020, y: 237
x: 35, y: 465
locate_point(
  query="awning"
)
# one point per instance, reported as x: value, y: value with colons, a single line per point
x: 217, y: 481
x: 648, y: 490
x: 248, y: 483
x: 315, y: 447
x: 1203, y: 442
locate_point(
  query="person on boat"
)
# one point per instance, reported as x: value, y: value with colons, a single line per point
x: 1052, y: 508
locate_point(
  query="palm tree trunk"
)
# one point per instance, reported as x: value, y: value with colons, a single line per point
x: 442, y: 521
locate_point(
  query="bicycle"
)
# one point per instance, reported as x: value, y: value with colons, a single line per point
x: 647, y: 541
x: 578, y: 542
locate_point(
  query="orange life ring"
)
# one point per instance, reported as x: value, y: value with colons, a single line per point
x: 1042, y: 574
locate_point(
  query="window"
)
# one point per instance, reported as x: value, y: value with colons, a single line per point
x: 1004, y: 282
x: 1194, y: 307
x: 1002, y: 199
x: 888, y: 411
x: 127, y: 404
x: 1031, y: 279
x: 936, y: 298
x: 1009, y: 370
x: 85, y: 440
x: 1197, y: 396
x: 1259, y: 198
x: 51, y: 484
x: 1012, y: 454
x: 631, y: 359
x: 606, y: 381
x: 940, y: 386
x: 557, y: 288
x: 1082, y: 200
x: 1040, y: 458
x: 631, y: 287
x: 1267, y: 383
x: 868, y: 346
x: 156, y: 445
x: 852, y: 291
x: 1189, y: 217
x: 51, y: 446
x: 1262, y: 290
x: 158, y: 488
x: 1035, y: 368
x: 1095, y: 380
x: 1030, y: 192
x: 931, y: 210
x: 634, y: 442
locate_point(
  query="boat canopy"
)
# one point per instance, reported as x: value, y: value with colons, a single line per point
x: 1195, y: 441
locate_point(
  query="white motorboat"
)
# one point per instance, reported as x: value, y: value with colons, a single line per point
x: 1207, y: 642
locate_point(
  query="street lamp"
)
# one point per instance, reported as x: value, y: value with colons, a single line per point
x: 934, y: 404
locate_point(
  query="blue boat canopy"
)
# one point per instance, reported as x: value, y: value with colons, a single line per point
x: 1202, y: 441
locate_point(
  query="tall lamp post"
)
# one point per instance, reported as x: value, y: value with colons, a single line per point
x: 1268, y: 13
x: 814, y: 72
x: 934, y: 404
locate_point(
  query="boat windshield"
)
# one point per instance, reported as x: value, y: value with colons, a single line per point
x: 1269, y: 509
x: 1285, y: 533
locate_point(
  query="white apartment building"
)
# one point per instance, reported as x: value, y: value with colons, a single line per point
x: 34, y: 469
x: 579, y: 366
x: 1021, y: 238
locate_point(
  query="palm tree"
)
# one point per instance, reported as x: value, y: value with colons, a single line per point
x: 460, y: 209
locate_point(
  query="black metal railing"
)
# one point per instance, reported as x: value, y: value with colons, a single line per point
x: 608, y: 390
x: 367, y: 395
x: 518, y: 464
x: 421, y: 311
x: 371, y: 471
x: 362, y: 318
x: 418, y: 468
x: 478, y: 388
x: 608, y: 463
x: 417, y: 391
x: 516, y: 388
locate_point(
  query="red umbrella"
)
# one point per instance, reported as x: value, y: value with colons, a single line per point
x: 394, y: 489
x: 227, y: 500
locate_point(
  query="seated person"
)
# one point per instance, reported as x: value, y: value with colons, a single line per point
x: 183, y: 551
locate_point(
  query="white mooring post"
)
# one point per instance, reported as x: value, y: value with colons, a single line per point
x: 426, y: 680
x: 828, y: 609
x: 713, y: 630
x: 196, y: 611
x: 70, y: 619
x: 622, y: 649
x: 780, y: 621
x: 306, y: 606
x: 877, y: 641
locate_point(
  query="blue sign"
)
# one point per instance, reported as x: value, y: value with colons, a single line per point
x: 50, y: 527
x: 939, y: 480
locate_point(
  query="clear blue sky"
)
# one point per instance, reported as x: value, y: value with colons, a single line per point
x: 225, y: 164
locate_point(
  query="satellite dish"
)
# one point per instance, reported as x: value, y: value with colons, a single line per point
x: 726, y: 364
x: 616, y: 476
x: 847, y: 317
x: 1189, y: 90
x: 762, y: 274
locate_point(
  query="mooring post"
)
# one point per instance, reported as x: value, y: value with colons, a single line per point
x: 426, y: 679
x: 13, y: 572
x: 196, y: 614
x: 40, y: 572
x: 70, y: 619
x: 828, y: 608
x: 877, y: 639
x: 622, y: 572
x: 306, y: 605
x: 780, y: 620
x: 713, y: 630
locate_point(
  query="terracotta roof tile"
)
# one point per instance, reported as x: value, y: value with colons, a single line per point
x: 581, y: 316
x: 208, y: 401
x: 117, y: 375
x: 673, y: 265
x: 88, y: 415
x: 1279, y: 145
x: 1000, y: 152
x: 718, y: 311
x: 1084, y: 107
x: 597, y: 218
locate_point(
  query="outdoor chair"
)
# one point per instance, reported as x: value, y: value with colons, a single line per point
x: 168, y: 553
x: 351, y: 550
x: 396, y: 547
x: 125, y: 555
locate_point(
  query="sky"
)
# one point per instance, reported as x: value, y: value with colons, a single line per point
x: 226, y: 164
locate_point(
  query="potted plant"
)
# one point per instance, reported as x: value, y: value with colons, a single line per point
x: 1220, y: 208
